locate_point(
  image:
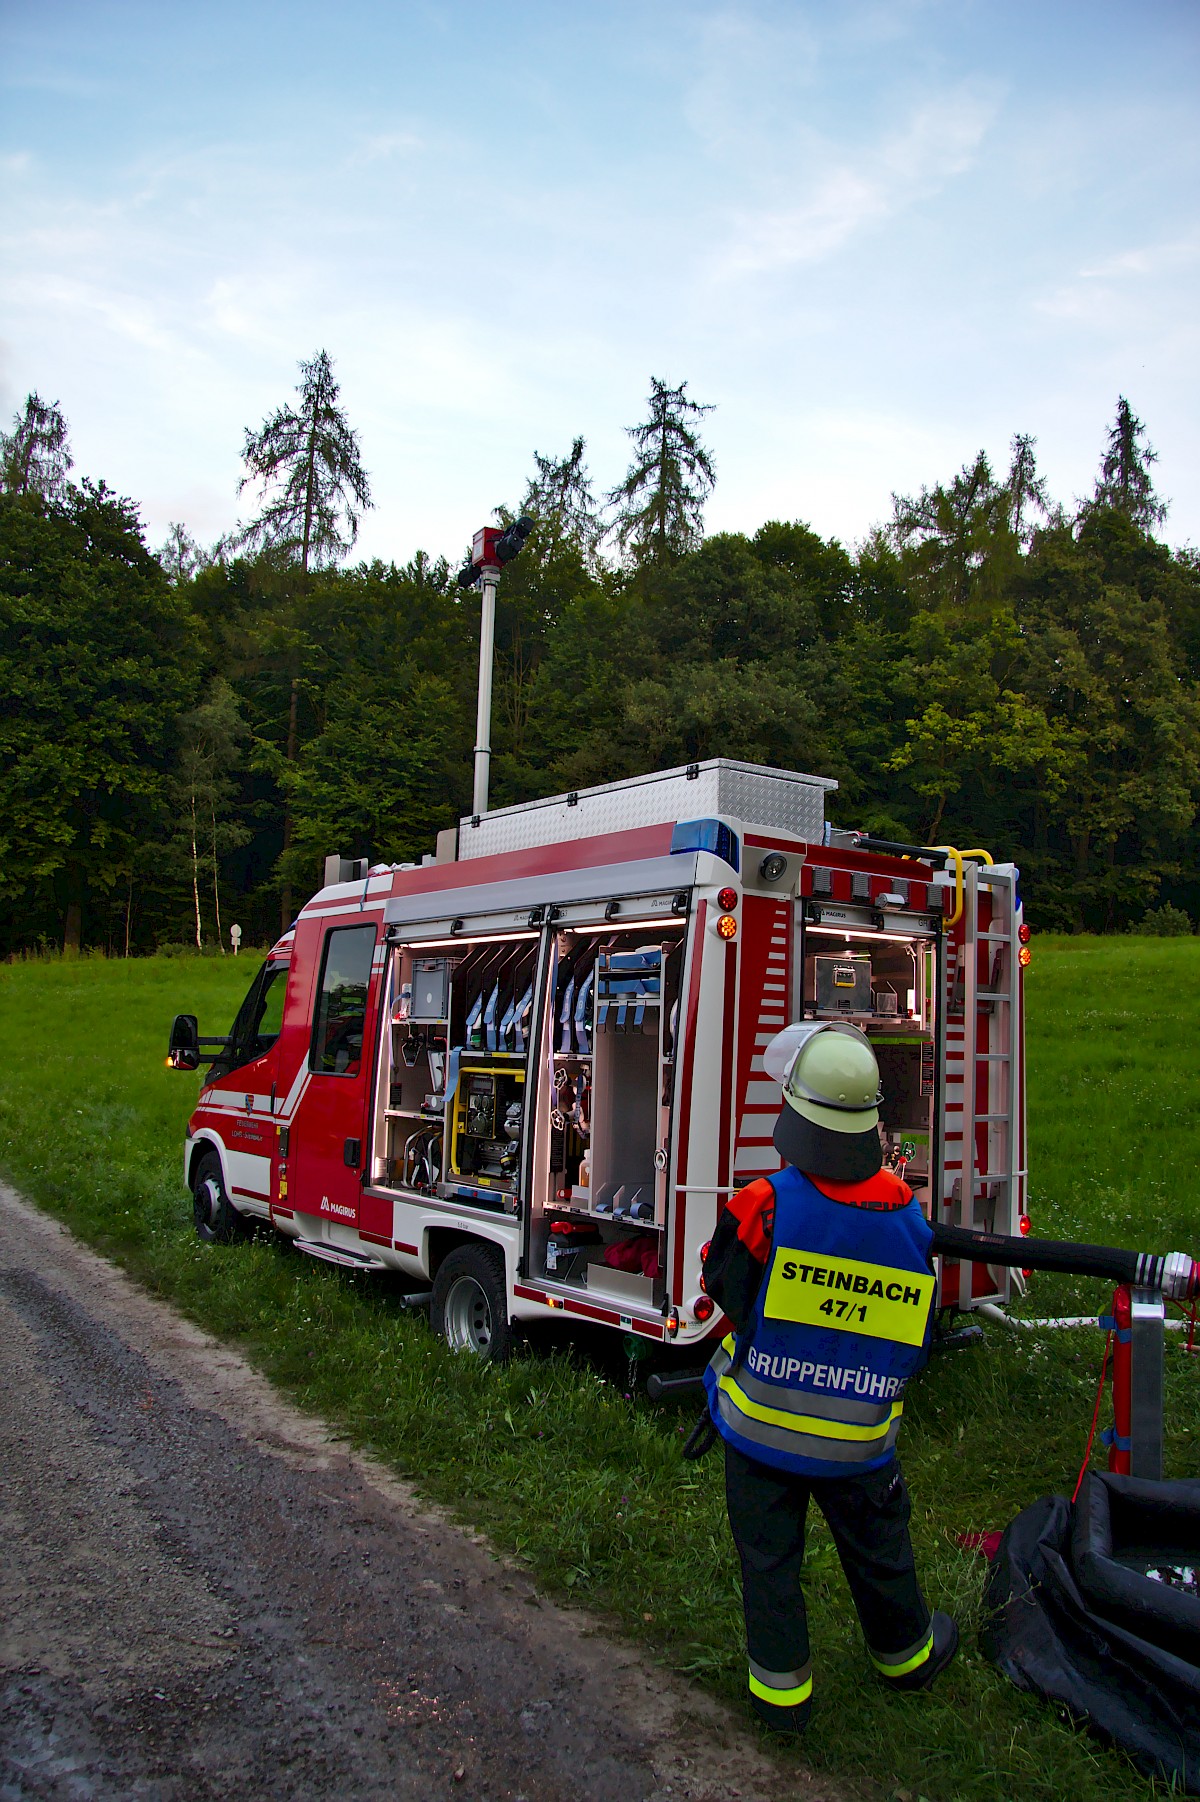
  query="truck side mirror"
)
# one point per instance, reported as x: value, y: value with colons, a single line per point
x: 183, y: 1049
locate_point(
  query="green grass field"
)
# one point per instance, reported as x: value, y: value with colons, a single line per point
x: 550, y: 1456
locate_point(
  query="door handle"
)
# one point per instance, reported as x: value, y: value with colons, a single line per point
x: 352, y: 1153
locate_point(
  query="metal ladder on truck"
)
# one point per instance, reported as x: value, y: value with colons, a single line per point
x: 983, y: 1173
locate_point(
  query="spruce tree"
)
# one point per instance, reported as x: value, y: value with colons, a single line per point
x: 1026, y: 489
x: 309, y: 463
x: 559, y: 497
x: 1124, y: 481
x: 314, y: 484
x: 659, y: 507
x: 34, y: 457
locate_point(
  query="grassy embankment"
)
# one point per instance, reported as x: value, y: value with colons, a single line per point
x: 565, y: 1471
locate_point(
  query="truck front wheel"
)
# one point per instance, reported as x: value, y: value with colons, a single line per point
x: 217, y: 1220
x: 469, y: 1305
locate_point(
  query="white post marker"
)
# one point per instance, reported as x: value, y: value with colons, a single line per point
x: 235, y: 938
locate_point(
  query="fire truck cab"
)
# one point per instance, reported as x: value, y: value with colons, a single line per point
x: 528, y: 1071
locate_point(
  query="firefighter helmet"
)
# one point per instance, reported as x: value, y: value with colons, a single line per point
x: 829, y: 1120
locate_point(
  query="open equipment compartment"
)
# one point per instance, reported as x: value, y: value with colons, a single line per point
x: 452, y: 1068
x: 885, y: 981
x: 599, y: 1214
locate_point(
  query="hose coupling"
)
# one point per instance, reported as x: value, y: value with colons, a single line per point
x: 1180, y: 1276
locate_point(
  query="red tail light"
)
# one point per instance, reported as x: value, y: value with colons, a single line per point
x: 727, y: 899
x: 1024, y: 934
x: 703, y: 1308
x: 1026, y: 1225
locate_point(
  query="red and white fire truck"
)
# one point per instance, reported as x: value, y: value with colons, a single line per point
x: 528, y: 1070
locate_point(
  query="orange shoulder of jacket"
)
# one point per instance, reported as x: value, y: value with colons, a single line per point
x: 754, y: 1210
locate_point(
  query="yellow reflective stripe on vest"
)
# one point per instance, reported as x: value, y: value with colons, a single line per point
x: 814, y: 1424
x: 891, y: 1667
x: 796, y: 1444
x: 846, y: 1296
x: 781, y: 1698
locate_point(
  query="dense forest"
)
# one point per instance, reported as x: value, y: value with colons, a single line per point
x: 189, y: 732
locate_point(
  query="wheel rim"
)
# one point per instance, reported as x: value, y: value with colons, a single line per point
x: 468, y: 1316
x: 208, y: 1200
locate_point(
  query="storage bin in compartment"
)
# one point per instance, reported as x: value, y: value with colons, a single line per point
x: 620, y: 1285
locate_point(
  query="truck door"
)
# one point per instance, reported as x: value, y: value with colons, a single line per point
x: 244, y: 1088
x: 326, y: 1149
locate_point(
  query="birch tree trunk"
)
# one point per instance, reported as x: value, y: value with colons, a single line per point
x: 195, y: 873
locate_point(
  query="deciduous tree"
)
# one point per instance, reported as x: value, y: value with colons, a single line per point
x: 98, y: 658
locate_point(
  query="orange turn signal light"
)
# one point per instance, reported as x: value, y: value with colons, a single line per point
x: 1024, y: 957
x: 726, y: 926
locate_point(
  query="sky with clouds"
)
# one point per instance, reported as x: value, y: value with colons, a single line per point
x: 876, y: 236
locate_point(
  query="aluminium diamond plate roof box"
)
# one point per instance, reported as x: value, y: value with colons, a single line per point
x: 749, y: 793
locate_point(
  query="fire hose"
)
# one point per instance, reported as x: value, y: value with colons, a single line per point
x: 1174, y: 1275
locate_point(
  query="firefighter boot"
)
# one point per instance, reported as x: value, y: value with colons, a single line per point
x: 782, y: 1720
x: 929, y: 1663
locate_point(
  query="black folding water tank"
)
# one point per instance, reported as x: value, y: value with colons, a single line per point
x: 1077, y: 1617
x: 1135, y: 1548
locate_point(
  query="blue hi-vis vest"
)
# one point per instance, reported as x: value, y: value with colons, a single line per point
x: 840, y: 1324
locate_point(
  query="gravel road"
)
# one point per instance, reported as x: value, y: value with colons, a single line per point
x: 204, y: 1595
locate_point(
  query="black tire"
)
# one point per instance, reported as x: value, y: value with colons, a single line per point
x: 469, y: 1305
x: 217, y: 1220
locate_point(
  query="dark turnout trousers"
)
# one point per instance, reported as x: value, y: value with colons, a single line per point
x: 868, y: 1517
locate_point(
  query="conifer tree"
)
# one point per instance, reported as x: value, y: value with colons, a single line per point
x: 314, y: 485
x: 659, y: 507
x: 1026, y: 489
x: 309, y: 463
x: 560, y: 499
x: 34, y: 456
x: 1124, y: 481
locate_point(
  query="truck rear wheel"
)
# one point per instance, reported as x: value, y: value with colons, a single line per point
x: 217, y: 1220
x: 469, y: 1305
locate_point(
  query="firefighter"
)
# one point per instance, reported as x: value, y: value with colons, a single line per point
x: 824, y: 1271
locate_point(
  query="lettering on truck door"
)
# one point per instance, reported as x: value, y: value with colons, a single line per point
x: 327, y: 1138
